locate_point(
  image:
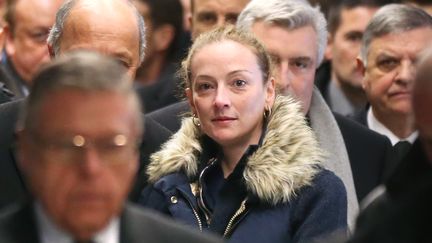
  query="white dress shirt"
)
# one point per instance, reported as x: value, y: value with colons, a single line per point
x: 51, y: 233
x: 378, y: 127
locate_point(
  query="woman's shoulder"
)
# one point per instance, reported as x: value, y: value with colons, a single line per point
x: 326, y: 179
x: 325, y: 188
x: 170, y: 181
x: 321, y: 207
x: 156, y: 194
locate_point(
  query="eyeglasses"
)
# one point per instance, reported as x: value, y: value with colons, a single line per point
x: 71, y: 150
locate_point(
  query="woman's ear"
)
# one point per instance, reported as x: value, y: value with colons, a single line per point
x: 189, y: 95
x: 270, y: 92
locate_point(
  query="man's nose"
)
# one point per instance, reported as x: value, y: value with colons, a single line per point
x: 91, y: 162
x: 285, y: 77
x: 406, y: 73
x: 220, y: 21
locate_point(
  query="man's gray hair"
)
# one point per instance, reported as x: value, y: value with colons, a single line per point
x: 82, y: 70
x: 393, y: 18
x: 290, y: 14
x: 54, y: 37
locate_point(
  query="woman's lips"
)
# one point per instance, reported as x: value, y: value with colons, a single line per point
x: 223, y: 119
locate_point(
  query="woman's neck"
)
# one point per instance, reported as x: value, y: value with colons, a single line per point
x: 232, y: 155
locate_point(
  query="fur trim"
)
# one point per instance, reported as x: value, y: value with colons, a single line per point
x: 286, y: 161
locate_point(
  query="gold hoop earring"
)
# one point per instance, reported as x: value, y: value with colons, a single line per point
x: 195, y: 120
x: 267, y: 112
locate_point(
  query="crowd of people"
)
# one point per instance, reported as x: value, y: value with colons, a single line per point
x: 215, y: 121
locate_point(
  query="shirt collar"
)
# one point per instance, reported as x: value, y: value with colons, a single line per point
x: 378, y: 127
x: 51, y: 233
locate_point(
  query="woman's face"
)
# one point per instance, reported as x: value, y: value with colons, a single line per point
x: 228, y: 93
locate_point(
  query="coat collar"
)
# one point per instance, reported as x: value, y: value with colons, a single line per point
x: 285, y: 162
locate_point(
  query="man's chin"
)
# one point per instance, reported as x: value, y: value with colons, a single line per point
x: 85, y: 225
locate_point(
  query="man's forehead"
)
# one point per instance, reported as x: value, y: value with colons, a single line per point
x: 282, y: 41
x: 357, y: 16
x: 233, y: 6
x: 402, y: 42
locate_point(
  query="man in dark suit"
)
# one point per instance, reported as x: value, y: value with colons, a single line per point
x: 403, y: 212
x: 338, y: 78
x: 391, y: 43
x: 128, y: 49
x: 78, y: 149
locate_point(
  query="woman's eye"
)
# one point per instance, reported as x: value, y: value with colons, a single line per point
x: 204, y: 86
x: 239, y: 83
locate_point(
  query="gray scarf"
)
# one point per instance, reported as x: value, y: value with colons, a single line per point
x: 330, y: 138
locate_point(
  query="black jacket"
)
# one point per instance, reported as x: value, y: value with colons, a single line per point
x: 322, y: 79
x: 5, y: 96
x: 161, y: 93
x: 18, y: 225
x: 402, y: 214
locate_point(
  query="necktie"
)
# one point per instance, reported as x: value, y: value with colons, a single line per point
x: 400, y: 150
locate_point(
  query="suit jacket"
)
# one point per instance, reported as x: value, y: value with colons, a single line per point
x: 12, y: 81
x: 361, y: 117
x: 402, y: 214
x: 12, y: 187
x: 368, y: 151
x: 5, y: 95
x: 18, y: 225
x: 322, y: 79
x: 161, y: 93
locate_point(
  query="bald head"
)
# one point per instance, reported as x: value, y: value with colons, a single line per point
x: 110, y: 27
x: 422, y: 99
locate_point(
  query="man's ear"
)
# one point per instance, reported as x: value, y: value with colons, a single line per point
x: 189, y: 18
x: 51, y: 51
x: 361, y: 68
x: 328, y: 55
x: 9, y: 44
x: 163, y: 36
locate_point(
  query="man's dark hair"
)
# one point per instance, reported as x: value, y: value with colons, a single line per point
x: 167, y: 12
x: 335, y: 11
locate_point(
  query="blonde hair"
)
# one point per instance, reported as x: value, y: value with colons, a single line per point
x: 223, y: 34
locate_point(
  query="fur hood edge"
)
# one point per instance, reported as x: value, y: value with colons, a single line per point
x: 286, y: 161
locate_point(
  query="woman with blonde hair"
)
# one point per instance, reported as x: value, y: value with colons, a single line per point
x: 245, y: 165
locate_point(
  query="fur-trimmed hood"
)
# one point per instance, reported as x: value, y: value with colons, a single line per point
x: 287, y: 160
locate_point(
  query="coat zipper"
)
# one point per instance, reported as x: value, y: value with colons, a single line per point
x: 200, y: 225
x: 201, y: 203
x: 198, y: 219
x: 234, y: 217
